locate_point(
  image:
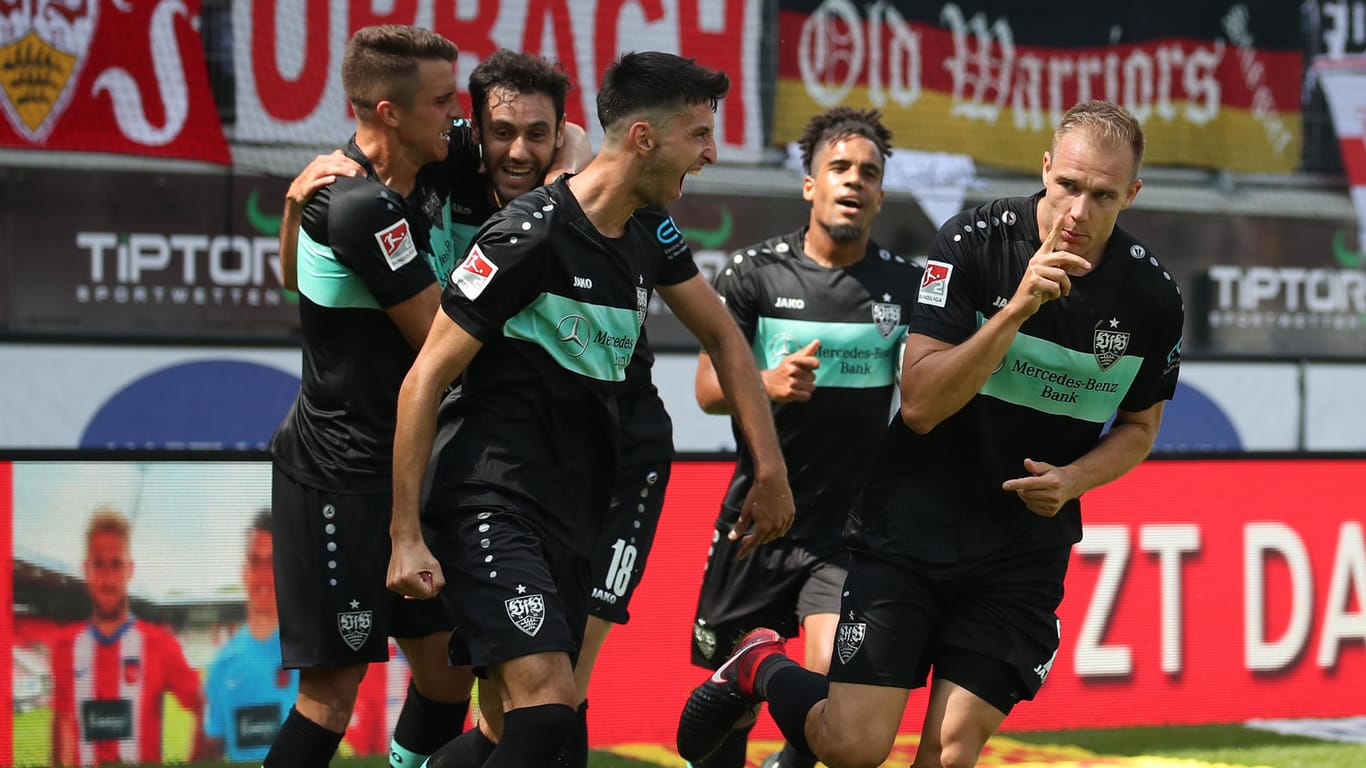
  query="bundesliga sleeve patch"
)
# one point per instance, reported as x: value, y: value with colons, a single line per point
x: 396, y: 242
x: 474, y: 274
x: 934, y: 286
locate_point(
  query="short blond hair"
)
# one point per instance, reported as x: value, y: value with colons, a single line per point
x: 1108, y: 122
x: 107, y: 520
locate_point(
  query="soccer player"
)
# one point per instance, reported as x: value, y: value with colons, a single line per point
x: 247, y: 691
x: 109, y: 674
x: 1038, y: 319
x: 369, y: 250
x: 822, y: 309
x: 520, y: 136
x: 540, y: 321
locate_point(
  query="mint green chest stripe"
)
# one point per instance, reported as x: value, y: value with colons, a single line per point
x: 450, y: 248
x: 329, y: 283
x: 1051, y: 378
x: 852, y: 355
x: 588, y: 339
x: 326, y: 281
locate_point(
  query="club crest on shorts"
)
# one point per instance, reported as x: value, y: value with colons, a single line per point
x: 887, y: 317
x: 354, y: 627
x: 642, y: 304
x: 526, y: 612
x: 705, y: 639
x: 849, y: 638
x: 1109, y: 346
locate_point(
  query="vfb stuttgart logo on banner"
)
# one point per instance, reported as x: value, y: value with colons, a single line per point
x: 43, y: 46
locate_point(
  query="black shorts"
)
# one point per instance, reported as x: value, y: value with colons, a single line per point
x: 628, y: 533
x: 777, y: 586
x: 331, y: 558
x: 899, y: 620
x: 512, y: 591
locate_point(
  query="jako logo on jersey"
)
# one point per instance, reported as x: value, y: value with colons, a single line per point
x: 583, y: 282
x: 354, y: 627
x: 474, y: 273
x: 784, y: 302
x: 1137, y: 251
x: 667, y: 232
x: 396, y: 241
x: 527, y: 612
x: 849, y: 639
x: 934, y: 287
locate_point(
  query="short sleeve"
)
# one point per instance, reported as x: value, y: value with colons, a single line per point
x: 371, y: 235
x: 1156, y: 379
x: 736, y: 285
x: 946, y: 305
x: 502, y: 272
x: 677, y: 265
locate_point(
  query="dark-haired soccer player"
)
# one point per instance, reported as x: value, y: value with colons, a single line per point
x: 822, y: 309
x: 540, y: 322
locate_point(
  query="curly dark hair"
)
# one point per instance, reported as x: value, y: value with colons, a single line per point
x: 519, y: 72
x: 839, y: 123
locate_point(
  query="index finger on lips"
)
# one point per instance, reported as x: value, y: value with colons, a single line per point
x: 1050, y: 242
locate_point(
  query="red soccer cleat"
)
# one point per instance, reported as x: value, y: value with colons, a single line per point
x: 726, y: 700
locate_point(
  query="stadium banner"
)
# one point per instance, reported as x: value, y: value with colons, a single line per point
x: 1200, y: 594
x: 287, y: 56
x: 1215, y: 84
x: 124, y: 78
x: 153, y: 255
x: 163, y: 256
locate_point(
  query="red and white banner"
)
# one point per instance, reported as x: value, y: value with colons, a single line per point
x: 288, y: 55
x: 122, y: 77
x: 1344, y: 87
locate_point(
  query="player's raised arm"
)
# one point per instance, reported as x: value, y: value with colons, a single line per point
x: 323, y: 170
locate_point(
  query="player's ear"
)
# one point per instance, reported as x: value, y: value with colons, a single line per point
x: 641, y: 137
x: 1131, y: 193
x: 387, y: 112
x: 1047, y: 164
x: 559, y: 133
x: 808, y: 188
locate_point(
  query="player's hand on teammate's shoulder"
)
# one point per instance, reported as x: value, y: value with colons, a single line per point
x: 794, y: 379
x: 1049, y: 273
x: 767, y: 513
x: 413, y: 571
x: 1044, y: 490
x: 323, y: 170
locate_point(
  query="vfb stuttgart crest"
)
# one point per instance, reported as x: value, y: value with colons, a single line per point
x: 642, y: 304
x: 43, y: 45
x: 526, y: 612
x: 705, y: 640
x: 354, y: 627
x: 848, y: 639
x: 887, y: 316
x: 1109, y: 346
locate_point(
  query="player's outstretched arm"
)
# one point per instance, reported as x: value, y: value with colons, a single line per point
x: 448, y: 349
x: 1129, y: 440
x: 768, y: 507
x: 323, y: 170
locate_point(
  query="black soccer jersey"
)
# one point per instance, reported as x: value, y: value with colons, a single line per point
x: 363, y: 248
x: 1113, y: 343
x: 782, y: 301
x: 559, y: 308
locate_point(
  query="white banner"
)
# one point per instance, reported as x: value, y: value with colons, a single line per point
x: 287, y: 56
